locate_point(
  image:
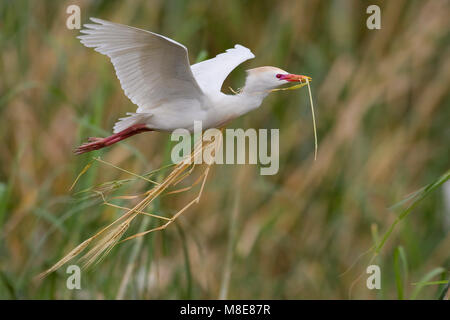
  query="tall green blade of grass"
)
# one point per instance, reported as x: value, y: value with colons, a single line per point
x: 4, y: 196
x: 187, y: 263
x: 401, y: 271
x: 444, y: 292
x: 425, y: 281
x: 424, y: 192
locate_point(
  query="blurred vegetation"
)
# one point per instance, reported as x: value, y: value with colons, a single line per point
x: 383, y: 110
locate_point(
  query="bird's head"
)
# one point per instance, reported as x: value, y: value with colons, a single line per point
x: 268, y: 78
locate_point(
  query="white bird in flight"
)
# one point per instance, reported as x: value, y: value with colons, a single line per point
x: 155, y: 74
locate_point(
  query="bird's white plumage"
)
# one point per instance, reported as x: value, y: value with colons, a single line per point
x: 154, y: 71
x: 210, y: 74
x: 155, y: 74
x: 150, y: 67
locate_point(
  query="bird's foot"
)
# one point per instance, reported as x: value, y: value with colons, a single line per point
x: 95, y: 143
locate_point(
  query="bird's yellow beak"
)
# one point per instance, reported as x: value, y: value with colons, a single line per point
x: 294, y: 77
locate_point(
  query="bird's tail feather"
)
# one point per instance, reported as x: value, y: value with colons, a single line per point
x: 132, y: 119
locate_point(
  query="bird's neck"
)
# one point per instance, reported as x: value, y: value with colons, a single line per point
x: 252, y: 94
x: 230, y: 107
x: 249, y: 98
x: 246, y: 101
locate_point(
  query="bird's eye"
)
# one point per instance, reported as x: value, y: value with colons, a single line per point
x: 278, y: 75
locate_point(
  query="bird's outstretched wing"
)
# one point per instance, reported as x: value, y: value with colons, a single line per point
x: 210, y: 74
x: 151, y: 68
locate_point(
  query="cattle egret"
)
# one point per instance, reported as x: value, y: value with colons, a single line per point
x: 155, y: 74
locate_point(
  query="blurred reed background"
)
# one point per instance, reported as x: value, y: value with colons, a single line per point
x: 383, y: 113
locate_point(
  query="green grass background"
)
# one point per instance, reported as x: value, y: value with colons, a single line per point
x: 383, y: 111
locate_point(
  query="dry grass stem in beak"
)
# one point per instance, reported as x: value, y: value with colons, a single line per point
x: 298, y: 86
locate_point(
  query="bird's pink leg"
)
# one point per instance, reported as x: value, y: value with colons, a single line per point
x: 95, y: 143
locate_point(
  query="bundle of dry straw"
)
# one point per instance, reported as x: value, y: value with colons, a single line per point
x: 103, y: 241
